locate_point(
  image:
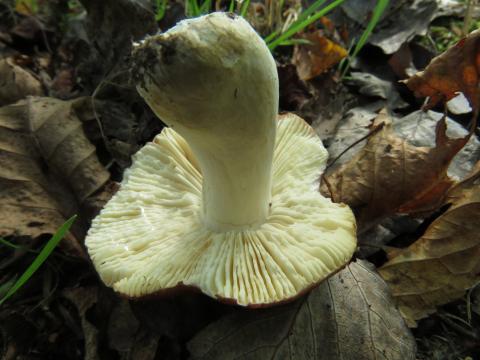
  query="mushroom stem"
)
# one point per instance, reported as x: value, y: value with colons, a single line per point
x: 237, y: 177
x: 215, y: 82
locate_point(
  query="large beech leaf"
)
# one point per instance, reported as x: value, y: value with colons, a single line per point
x: 48, y: 168
x: 389, y: 175
x: 445, y: 261
x: 349, y: 316
x: 456, y: 70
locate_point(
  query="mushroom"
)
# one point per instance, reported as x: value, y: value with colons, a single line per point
x: 226, y: 199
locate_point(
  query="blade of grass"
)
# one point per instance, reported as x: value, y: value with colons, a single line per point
x: 205, y: 7
x: 161, y: 8
x: 295, y: 42
x: 270, y: 37
x: 305, y: 14
x: 309, y: 11
x: 9, y: 244
x: 296, y: 27
x: 344, y: 61
x: 244, y: 8
x: 40, y: 259
x: 7, y: 285
x: 376, y: 15
x: 231, y: 7
x: 14, y: 246
x: 191, y: 8
x: 196, y: 8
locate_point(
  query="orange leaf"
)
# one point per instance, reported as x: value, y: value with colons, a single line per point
x: 456, y: 70
x: 318, y: 56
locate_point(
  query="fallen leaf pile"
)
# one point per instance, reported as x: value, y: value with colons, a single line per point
x: 445, y: 262
x: 389, y: 175
x: 408, y: 178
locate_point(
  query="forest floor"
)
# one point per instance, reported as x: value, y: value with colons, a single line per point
x: 404, y: 158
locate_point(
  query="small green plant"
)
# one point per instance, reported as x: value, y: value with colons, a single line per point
x: 14, y: 284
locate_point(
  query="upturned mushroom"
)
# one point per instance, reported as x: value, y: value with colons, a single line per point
x: 226, y: 199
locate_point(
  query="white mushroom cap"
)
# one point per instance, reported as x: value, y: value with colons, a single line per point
x: 162, y: 230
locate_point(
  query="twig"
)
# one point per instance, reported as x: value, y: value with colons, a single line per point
x: 374, y: 131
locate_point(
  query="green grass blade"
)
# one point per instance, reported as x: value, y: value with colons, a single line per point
x: 40, y: 259
x: 244, y: 8
x: 376, y: 15
x: 196, y: 8
x: 9, y: 244
x: 6, y: 286
x: 305, y: 14
x: 296, y: 27
x: 14, y: 246
x: 191, y: 8
x: 161, y: 9
x: 205, y: 8
x: 231, y: 7
x: 309, y: 11
x: 345, y: 60
x: 270, y: 37
x: 291, y: 42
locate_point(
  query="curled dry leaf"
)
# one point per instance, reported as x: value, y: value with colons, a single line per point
x: 316, y: 57
x: 16, y: 83
x: 389, y: 175
x: 456, y: 70
x: 349, y: 316
x: 48, y: 168
x: 444, y: 262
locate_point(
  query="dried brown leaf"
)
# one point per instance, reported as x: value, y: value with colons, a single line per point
x: 320, y: 55
x: 16, y: 83
x: 456, y: 70
x: 84, y: 298
x: 48, y: 168
x: 444, y: 262
x: 349, y: 316
x: 389, y: 175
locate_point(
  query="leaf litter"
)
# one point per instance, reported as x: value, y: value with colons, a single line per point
x: 445, y: 262
x: 426, y: 224
x: 49, y: 170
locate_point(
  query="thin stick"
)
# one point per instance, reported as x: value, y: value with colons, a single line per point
x: 374, y: 131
